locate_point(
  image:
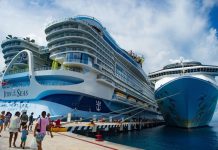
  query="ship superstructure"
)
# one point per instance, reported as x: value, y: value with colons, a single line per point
x: 13, y: 45
x: 186, y: 93
x: 89, y: 75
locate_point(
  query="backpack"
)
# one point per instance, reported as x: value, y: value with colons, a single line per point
x: 24, y: 118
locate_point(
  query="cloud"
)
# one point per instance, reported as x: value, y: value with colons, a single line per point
x: 161, y: 33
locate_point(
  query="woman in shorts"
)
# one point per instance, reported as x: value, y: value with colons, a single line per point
x: 14, y: 128
x: 7, y: 120
x: 40, y: 129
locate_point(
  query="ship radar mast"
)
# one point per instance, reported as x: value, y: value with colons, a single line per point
x: 181, y: 62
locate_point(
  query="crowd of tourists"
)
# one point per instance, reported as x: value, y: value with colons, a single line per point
x: 21, y: 122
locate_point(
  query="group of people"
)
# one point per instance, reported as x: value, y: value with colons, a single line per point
x: 19, y: 123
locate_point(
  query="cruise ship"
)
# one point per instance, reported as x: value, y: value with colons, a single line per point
x: 186, y: 93
x: 82, y: 71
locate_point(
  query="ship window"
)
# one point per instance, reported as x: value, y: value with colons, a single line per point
x: 201, y: 69
x: 79, y: 57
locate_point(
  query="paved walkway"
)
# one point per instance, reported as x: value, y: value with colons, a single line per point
x: 65, y: 141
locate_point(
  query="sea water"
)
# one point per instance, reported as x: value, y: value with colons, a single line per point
x: 170, y: 138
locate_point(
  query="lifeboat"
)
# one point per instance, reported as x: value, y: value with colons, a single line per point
x: 119, y: 94
x: 131, y: 99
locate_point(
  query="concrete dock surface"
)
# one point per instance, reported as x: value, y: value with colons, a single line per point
x: 64, y: 141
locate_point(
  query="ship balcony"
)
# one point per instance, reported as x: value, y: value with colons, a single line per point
x: 21, y: 65
x: 55, y: 48
x: 131, y: 99
x: 105, y: 79
x: 16, y: 74
x: 119, y: 98
x: 7, y: 47
x: 65, y: 38
x: 119, y: 94
x: 9, y: 53
x: 82, y: 64
x: 59, y: 59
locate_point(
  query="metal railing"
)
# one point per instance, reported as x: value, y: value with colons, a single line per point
x: 42, y: 68
x: 100, y: 76
x: 16, y: 71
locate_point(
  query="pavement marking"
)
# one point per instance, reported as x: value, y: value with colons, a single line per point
x: 89, y: 142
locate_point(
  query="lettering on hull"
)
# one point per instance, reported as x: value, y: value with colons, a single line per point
x: 15, y: 106
x: 15, y: 93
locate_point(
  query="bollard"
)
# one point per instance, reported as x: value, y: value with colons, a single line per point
x: 99, y: 137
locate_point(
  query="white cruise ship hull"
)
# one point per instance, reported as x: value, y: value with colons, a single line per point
x: 86, y: 97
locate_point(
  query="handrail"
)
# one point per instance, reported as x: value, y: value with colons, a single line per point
x: 16, y: 71
x: 19, y: 39
x: 200, y: 69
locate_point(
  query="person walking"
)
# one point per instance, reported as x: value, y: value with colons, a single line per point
x: 2, y: 118
x: 7, y: 120
x: 30, y: 122
x: 48, y: 129
x: 24, y: 119
x: 40, y: 129
x: 14, y: 127
x: 24, y: 134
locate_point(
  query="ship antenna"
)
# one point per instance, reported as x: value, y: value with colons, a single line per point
x: 181, y: 62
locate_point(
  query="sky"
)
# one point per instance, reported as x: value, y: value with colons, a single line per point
x: 163, y: 31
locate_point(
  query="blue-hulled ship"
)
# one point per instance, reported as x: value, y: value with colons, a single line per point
x: 186, y: 93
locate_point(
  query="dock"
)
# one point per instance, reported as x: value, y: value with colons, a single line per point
x: 78, y: 127
x: 65, y: 141
x: 72, y: 139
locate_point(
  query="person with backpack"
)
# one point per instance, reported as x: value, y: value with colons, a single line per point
x: 24, y: 119
x: 40, y: 129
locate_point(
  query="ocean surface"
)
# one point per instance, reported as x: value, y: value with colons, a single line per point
x: 170, y: 138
